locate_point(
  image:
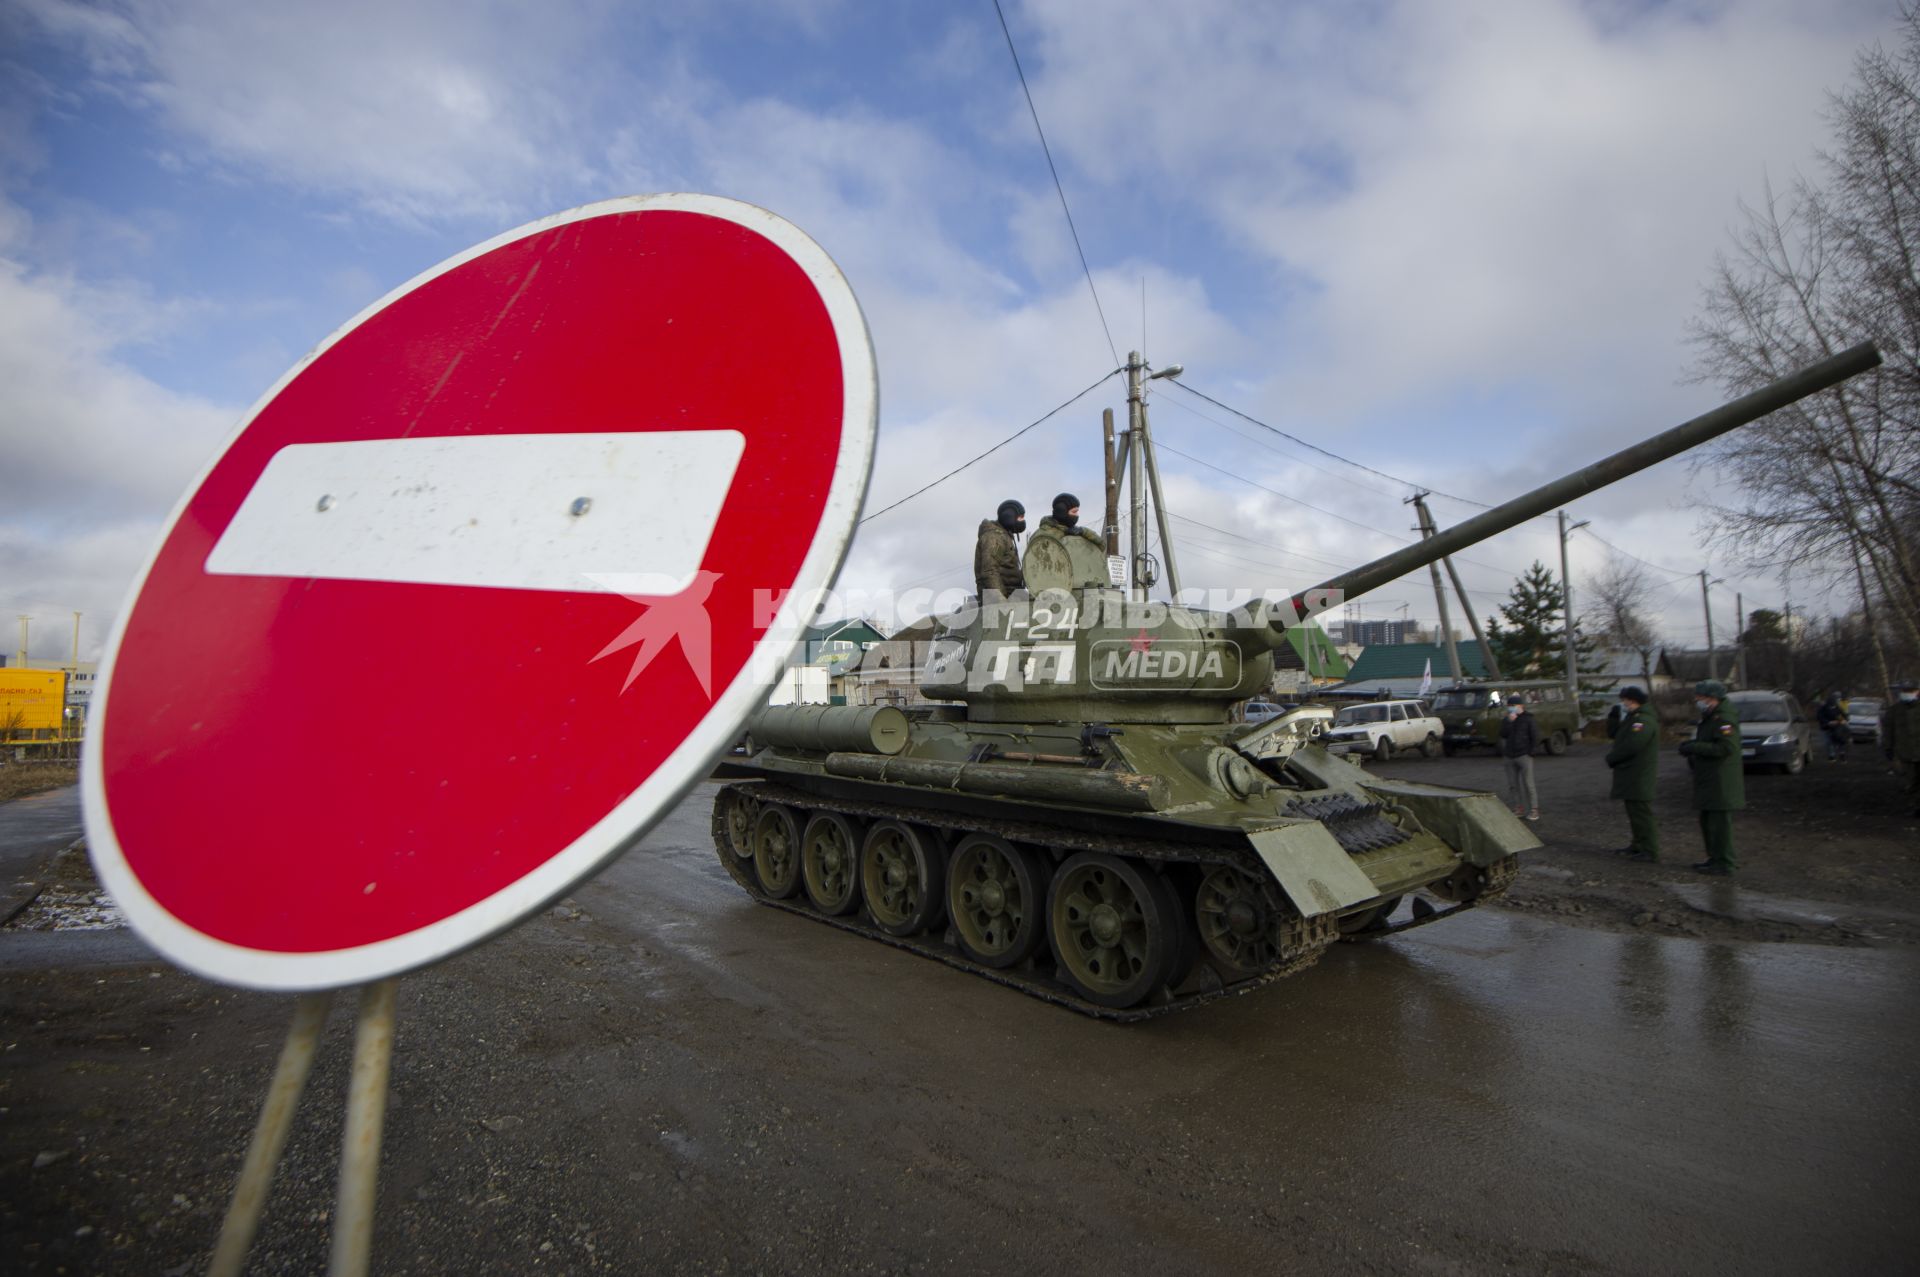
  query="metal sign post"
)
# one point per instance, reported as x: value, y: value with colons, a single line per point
x: 605, y: 463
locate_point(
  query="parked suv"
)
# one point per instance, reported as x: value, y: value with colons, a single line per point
x: 1470, y: 713
x: 1774, y: 730
x: 1383, y: 727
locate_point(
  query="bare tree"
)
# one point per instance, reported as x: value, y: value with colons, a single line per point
x: 1621, y: 598
x: 1833, y: 484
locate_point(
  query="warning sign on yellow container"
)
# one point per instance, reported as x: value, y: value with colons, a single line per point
x: 31, y: 700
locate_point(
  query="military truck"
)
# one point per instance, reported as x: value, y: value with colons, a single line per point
x: 1471, y: 712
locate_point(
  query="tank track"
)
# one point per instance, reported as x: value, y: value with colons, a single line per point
x: 1494, y: 881
x: 1305, y: 938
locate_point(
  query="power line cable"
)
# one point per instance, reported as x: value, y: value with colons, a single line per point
x: 1365, y: 527
x: 990, y: 451
x: 1048, y: 152
x: 1281, y: 452
x: 1629, y: 554
x: 1314, y: 447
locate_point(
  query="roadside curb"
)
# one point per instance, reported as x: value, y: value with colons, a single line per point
x: 24, y: 891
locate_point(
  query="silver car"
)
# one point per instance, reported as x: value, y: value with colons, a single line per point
x: 1774, y: 730
x: 1863, y: 718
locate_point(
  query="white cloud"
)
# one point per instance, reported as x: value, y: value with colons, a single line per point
x: 422, y: 110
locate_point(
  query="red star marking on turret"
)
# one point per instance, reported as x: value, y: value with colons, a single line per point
x: 1141, y: 642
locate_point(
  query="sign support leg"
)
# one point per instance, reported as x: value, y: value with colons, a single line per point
x: 270, y: 1134
x: 366, y: 1113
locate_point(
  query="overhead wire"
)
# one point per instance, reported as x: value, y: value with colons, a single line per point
x: 1326, y: 452
x: 1061, y: 190
x: 1636, y: 558
x: 990, y: 451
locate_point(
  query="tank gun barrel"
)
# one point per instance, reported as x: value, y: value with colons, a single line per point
x: 1550, y: 496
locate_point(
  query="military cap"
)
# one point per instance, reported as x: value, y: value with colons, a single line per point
x: 1905, y: 685
x: 1634, y: 694
x: 1711, y: 687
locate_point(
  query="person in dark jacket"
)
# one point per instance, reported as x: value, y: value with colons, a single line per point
x: 996, y: 560
x: 1832, y: 717
x: 1719, y: 784
x: 1635, y: 758
x: 1519, y: 733
x: 1900, y: 736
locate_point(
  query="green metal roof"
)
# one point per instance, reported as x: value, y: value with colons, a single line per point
x: 1316, y: 652
x: 1409, y: 660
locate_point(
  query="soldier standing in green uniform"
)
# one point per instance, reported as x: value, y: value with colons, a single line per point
x: 996, y: 559
x: 1900, y: 736
x: 1719, y: 784
x: 1635, y: 758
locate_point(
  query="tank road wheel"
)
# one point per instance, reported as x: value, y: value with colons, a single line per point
x: 903, y: 877
x: 1362, y: 925
x: 1557, y: 743
x: 996, y: 896
x: 1236, y: 926
x: 776, y: 851
x: 1111, y: 933
x: 738, y: 816
x: 830, y: 864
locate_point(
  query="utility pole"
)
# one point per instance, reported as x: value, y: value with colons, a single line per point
x: 1566, y: 613
x: 1427, y: 529
x: 1786, y: 620
x: 24, y: 619
x: 1740, y: 639
x: 1419, y: 503
x: 1137, y: 448
x: 1136, y: 482
x: 1713, y: 665
x: 76, y: 642
x: 1111, y: 521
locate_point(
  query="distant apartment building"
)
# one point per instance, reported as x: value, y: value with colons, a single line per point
x: 1375, y: 633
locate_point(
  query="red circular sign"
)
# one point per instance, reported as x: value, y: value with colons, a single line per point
x: 473, y: 593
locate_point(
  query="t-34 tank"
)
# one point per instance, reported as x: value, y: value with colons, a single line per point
x: 1084, y: 821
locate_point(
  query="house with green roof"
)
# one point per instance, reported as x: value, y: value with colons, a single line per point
x: 1309, y: 659
x: 1398, y: 668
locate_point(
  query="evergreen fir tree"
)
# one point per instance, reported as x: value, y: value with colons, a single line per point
x: 1529, y: 644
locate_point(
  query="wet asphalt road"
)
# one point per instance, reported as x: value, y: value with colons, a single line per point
x: 691, y: 1082
x: 32, y: 830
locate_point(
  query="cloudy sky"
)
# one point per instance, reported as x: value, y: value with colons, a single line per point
x: 1458, y: 242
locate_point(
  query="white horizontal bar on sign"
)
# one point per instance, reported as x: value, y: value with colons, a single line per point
x: 525, y: 512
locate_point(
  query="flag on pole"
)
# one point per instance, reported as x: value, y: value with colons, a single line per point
x: 1426, y: 678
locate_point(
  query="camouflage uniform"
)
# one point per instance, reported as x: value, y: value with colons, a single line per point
x: 1719, y: 783
x: 1635, y: 759
x: 1900, y: 738
x: 996, y: 561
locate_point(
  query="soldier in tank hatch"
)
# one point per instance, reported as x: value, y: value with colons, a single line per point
x: 1635, y: 759
x: 1719, y: 784
x: 996, y: 558
x: 1062, y: 555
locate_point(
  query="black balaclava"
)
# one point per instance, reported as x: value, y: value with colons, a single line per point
x: 1065, y: 509
x: 1012, y: 516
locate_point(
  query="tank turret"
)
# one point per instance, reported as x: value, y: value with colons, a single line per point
x: 1081, y: 819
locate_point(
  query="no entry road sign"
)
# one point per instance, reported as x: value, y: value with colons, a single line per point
x: 474, y: 593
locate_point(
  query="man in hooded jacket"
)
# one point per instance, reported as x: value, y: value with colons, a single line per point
x: 996, y: 559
